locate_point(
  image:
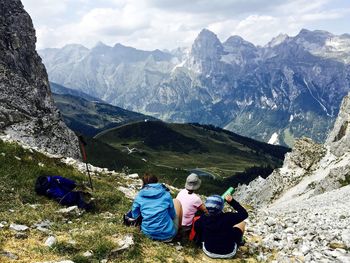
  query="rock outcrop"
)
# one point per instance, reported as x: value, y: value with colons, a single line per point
x: 339, y: 139
x: 302, y: 209
x: 303, y: 160
x: 27, y: 111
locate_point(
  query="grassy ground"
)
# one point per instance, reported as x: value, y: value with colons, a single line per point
x: 97, y: 232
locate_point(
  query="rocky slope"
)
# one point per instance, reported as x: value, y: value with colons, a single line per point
x: 303, y: 207
x: 290, y: 88
x: 27, y: 112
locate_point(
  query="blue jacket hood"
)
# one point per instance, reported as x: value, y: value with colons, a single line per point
x: 153, y: 190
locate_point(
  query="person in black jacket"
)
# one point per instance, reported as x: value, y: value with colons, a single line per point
x: 221, y: 233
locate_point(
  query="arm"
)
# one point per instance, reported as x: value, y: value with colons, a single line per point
x: 203, y: 209
x: 198, y: 227
x: 199, y: 205
x: 171, y: 208
x: 135, y: 209
x: 241, y: 214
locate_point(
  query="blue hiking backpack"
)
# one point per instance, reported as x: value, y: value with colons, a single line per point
x: 61, y: 189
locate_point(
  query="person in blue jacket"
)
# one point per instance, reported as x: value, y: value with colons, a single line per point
x: 161, y: 215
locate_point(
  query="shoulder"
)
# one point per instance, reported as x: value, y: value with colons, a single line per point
x: 228, y: 215
x: 182, y: 193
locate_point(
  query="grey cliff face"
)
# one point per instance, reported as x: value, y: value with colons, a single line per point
x: 27, y: 112
x: 339, y: 138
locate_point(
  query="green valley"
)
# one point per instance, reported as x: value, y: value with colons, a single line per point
x: 172, y: 151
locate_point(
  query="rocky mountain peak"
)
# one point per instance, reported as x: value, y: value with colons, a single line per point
x: 237, y: 41
x: 205, y: 51
x: 27, y: 112
x: 206, y: 45
x: 317, y: 37
x: 277, y: 40
x: 101, y: 44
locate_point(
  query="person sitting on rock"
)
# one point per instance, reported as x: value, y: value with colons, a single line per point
x: 161, y: 215
x: 221, y: 233
x: 191, y: 202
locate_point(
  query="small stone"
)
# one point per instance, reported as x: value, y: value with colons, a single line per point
x: 43, y: 229
x: 88, y: 254
x: 178, y: 248
x: 9, y: 255
x: 129, y: 193
x: 124, y: 243
x: 335, y: 245
x: 21, y: 235
x: 17, y: 158
x: 270, y: 221
x: 108, y: 215
x: 3, y: 154
x: 44, y: 224
x: 50, y: 241
x: 104, y: 261
x: 346, y: 237
x: 261, y: 257
x: 317, y: 255
x: 305, y: 249
x: 289, y: 230
x: 41, y: 164
x: 18, y: 227
x: 34, y: 206
x: 133, y: 176
x: 70, y: 210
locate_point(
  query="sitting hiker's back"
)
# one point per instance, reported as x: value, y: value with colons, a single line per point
x: 220, y: 232
x: 190, y: 201
x: 154, y: 203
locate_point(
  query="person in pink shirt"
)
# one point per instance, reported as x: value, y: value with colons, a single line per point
x: 190, y: 201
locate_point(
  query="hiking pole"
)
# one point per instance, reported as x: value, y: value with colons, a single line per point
x: 83, y: 152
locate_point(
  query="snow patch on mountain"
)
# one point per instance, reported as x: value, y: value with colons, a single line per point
x: 274, y: 139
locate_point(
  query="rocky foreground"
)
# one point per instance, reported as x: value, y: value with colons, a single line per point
x: 316, y: 230
x: 302, y: 210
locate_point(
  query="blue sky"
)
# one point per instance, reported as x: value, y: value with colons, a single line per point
x: 167, y: 24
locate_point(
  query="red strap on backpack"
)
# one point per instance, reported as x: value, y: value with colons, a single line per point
x: 193, y: 232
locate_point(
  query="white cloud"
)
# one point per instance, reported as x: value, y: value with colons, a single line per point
x: 151, y: 24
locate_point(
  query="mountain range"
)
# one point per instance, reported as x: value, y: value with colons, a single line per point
x: 289, y: 88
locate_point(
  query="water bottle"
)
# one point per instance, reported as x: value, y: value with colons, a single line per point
x: 228, y: 192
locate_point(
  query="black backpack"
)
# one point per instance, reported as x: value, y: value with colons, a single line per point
x: 129, y: 221
x: 42, y: 184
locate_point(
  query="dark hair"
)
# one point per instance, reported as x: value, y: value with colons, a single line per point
x: 149, y: 179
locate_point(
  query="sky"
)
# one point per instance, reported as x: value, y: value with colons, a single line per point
x: 168, y: 24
